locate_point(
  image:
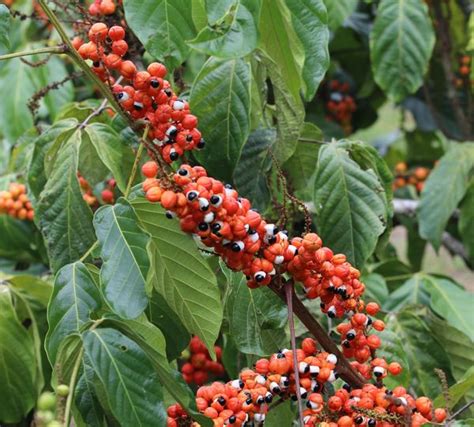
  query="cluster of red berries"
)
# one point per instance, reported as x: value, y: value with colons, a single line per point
x: 148, y: 96
x: 107, y: 194
x: 199, y: 365
x: 464, y: 71
x: 15, y: 202
x: 415, y: 176
x: 223, y: 220
x: 340, y: 105
x: 247, y: 398
x: 102, y: 7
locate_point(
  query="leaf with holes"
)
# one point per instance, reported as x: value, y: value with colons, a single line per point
x: 444, y: 189
x: 163, y: 26
x: 351, y: 212
x: 64, y: 218
x: 401, y: 43
x: 236, y: 37
x: 123, y: 248
x: 180, y: 274
x: 309, y: 18
x: 127, y: 377
x: 75, y: 297
x: 221, y: 99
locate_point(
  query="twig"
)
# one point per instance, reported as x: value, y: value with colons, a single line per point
x: 135, y: 163
x: 289, y: 291
x: 344, y: 368
x: 48, y: 50
x: 72, y: 386
x: 455, y: 247
x: 461, y: 410
x: 89, y: 251
x: 97, y: 112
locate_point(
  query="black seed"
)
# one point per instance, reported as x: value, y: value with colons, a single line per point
x: 215, y: 199
x: 201, y: 144
x: 154, y: 83
x: 235, y: 247
x: 168, y: 92
x: 203, y: 226
x: 221, y: 400
x: 359, y: 420
x: 174, y: 156
x: 183, y: 172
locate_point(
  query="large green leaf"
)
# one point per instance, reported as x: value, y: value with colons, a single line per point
x: 281, y: 43
x: 86, y: 400
x: 180, y: 274
x: 126, y: 376
x: 423, y: 351
x: 289, y: 111
x: 36, y: 171
x: 64, y: 218
x: 401, y: 43
x: 282, y: 415
x: 75, y: 297
x: 466, y: 222
x: 221, y: 98
x: 310, y: 19
x: 375, y: 288
x: 20, y: 240
x: 412, y: 292
x: 17, y: 364
x: 123, y: 248
x: 163, y: 26
x: 217, y: 9
x: 4, y: 29
x: 236, y: 36
x: 453, y: 304
x: 339, y: 11
x: 251, y: 172
x: 256, y: 317
x: 351, y: 214
x: 457, y: 344
x: 114, y: 153
x: 393, y: 349
x: 301, y: 166
x: 444, y: 189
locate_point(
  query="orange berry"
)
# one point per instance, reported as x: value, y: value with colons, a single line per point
x: 157, y: 70
x: 150, y: 169
x: 394, y: 368
x: 378, y: 325
x: 372, y: 308
x: 154, y: 194
x: 169, y: 199
x: 107, y: 7
x: 440, y: 415
x: 345, y: 421
x: 116, y: 33
x: 464, y: 70
x: 120, y: 47
x: 98, y: 32
x: 128, y: 69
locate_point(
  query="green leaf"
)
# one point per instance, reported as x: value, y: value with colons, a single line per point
x: 236, y: 37
x: 281, y: 416
x: 351, y: 214
x: 17, y: 364
x: 127, y: 377
x: 339, y: 11
x: 302, y: 164
x: 114, y: 153
x: 180, y: 274
x: 393, y: 349
x: 86, y: 400
x: 457, y: 391
x: 256, y: 317
x: 289, y: 111
x: 375, y: 288
x: 217, y: 9
x: 453, y: 304
x: 20, y: 240
x: 423, y: 352
x: 163, y: 26
x: 221, y: 98
x: 309, y: 18
x: 466, y: 221
x: 401, y: 44
x: 251, y: 172
x: 412, y: 292
x: 199, y: 14
x: 123, y: 248
x: 444, y: 189
x: 394, y: 272
x: 4, y: 29
x: 281, y: 44
x: 63, y: 216
x: 75, y: 297
x: 36, y: 171
x: 176, y: 335
x: 457, y: 345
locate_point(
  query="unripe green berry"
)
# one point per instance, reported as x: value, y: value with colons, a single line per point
x: 44, y: 416
x: 185, y: 354
x: 46, y: 401
x: 62, y: 390
x: 54, y: 423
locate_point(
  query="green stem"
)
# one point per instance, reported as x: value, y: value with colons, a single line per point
x: 51, y: 49
x: 89, y: 251
x: 135, y: 163
x: 72, y: 385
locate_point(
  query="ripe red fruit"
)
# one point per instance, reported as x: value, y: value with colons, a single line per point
x: 154, y: 194
x: 120, y: 47
x: 189, y: 121
x: 107, y: 7
x: 150, y: 169
x: 394, y: 368
x: 128, y: 69
x: 107, y: 196
x: 98, y: 32
x: 116, y: 33
x: 309, y: 346
x: 440, y: 415
x: 156, y: 69
x: 372, y: 308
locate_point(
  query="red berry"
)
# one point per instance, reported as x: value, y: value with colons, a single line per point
x: 98, y: 32
x: 116, y: 33
x: 150, y: 169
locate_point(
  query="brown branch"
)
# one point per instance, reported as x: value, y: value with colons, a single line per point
x: 344, y: 368
x: 442, y: 31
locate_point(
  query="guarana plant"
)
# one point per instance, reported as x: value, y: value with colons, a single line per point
x: 170, y: 173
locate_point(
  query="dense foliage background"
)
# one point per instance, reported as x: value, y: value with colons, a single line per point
x: 362, y: 110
